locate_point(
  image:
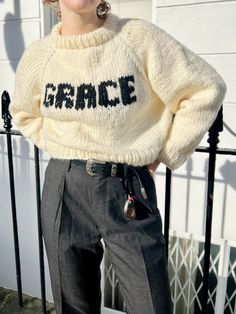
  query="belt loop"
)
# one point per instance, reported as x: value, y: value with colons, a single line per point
x: 125, y: 178
x: 69, y: 165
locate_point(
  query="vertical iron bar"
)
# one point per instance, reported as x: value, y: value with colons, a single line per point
x: 208, y: 226
x: 40, y: 239
x: 167, y: 209
x: 7, y: 125
x: 213, y: 141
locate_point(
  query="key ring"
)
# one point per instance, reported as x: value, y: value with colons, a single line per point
x: 130, y: 207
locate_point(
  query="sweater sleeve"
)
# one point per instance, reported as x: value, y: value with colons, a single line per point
x: 190, y: 88
x: 25, y: 105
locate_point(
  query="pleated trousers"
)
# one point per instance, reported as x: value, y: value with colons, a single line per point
x: 77, y: 210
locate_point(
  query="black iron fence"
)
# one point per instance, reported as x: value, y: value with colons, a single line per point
x: 212, y: 150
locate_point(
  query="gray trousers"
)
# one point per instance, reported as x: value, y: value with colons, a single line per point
x: 77, y: 210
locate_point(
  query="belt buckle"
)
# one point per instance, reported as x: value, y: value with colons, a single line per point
x: 89, y: 166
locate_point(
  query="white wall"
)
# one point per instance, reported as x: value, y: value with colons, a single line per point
x: 20, y: 24
x: 137, y: 8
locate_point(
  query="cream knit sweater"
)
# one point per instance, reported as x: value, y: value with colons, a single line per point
x: 125, y: 92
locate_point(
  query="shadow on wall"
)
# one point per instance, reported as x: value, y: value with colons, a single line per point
x: 24, y: 175
x: 13, y: 35
x: 227, y: 171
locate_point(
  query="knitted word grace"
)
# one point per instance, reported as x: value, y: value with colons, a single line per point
x: 65, y: 94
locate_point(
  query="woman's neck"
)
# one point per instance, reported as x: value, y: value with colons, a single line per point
x: 71, y: 38
x: 77, y: 24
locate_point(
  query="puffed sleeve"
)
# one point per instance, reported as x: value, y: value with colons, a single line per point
x: 190, y: 88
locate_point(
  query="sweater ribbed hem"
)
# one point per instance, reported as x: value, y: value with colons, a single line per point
x: 135, y: 158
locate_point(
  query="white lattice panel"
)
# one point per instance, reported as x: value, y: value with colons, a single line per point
x: 185, y: 264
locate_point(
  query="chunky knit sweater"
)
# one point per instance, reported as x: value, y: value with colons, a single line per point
x: 125, y: 92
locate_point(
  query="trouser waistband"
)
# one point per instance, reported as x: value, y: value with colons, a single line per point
x: 95, y: 167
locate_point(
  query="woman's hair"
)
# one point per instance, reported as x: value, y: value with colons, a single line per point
x: 102, y: 9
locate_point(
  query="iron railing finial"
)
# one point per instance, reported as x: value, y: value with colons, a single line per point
x: 5, y: 111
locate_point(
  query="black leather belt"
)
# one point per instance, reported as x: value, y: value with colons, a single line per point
x: 96, y: 167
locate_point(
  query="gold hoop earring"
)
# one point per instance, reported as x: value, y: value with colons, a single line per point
x: 102, y: 9
x: 58, y: 13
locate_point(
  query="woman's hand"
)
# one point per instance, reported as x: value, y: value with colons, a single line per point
x: 153, y: 166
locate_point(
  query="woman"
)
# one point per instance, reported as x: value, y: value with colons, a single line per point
x: 110, y: 98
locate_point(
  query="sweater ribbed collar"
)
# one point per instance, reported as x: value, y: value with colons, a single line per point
x: 89, y: 39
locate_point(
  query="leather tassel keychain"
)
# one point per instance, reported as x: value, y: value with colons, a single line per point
x: 129, y: 207
x: 134, y: 206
